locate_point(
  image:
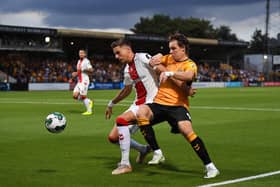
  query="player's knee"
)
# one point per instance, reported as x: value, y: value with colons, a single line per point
x: 191, y: 136
x: 144, y: 111
x: 113, y: 139
x: 120, y: 121
x: 82, y: 97
x: 143, y: 121
x: 147, y: 131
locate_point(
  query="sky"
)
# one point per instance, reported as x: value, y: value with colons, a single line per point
x: 242, y: 16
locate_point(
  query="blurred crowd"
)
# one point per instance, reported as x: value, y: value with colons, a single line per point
x: 226, y: 73
x: 57, y: 70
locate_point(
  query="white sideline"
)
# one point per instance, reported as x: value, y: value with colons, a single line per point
x: 52, y: 103
x: 102, y: 102
x: 242, y: 179
x: 236, y: 108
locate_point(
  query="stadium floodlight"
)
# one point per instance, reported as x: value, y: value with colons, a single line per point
x: 47, y: 39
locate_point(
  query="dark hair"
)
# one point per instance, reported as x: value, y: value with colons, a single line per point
x: 181, y: 39
x: 121, y: 42
x: 83, y: 50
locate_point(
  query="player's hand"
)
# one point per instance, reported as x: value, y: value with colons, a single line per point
x: 192, y: 92
x: 164, y: 75
x: 74, y: 74
x: 156, y: 60
x: 108, y: 112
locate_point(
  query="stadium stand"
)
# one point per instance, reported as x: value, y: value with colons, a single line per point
x: 31, y: 55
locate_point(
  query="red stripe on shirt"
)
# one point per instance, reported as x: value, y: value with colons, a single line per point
x: 139, y: 86
x: 80, y: 78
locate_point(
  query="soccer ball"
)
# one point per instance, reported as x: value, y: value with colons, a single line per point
x: 55, y: 122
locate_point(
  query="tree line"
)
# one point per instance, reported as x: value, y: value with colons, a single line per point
x: 163, y: 25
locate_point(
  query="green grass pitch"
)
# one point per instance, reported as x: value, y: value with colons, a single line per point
x: 240, y: 127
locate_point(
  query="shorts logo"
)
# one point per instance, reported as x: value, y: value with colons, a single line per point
x: 196, y: 147
x: 189, y: 116
x: 121, y: 137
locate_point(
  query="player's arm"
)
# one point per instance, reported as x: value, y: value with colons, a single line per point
x: 156, y: 63
x: 190, y: 90
x: 183, y: 76
x: 182, y: 79
x: 180, y: 83
x: 120, y: 96
x: 74, y: 74
x: 88, y: 71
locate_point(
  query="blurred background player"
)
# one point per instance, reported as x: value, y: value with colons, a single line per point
x: 80, y: 91
x: 140, y: 75
x: 171, y: 102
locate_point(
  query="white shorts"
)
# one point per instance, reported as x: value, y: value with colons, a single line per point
x: 81, y: 87
x: 133, y: 108
x: 134, y: 127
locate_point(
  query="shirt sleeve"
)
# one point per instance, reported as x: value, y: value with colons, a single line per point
x: 191, y: 66
x: 127, y: 79
x: 164, y: 60
x: 88, y: 64
x: 145, y: 58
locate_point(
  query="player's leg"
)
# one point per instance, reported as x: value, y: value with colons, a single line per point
x: 144, y: 116
x: 142, y: 149
x: 122, y: 122
x: 79, y: 93
x: 76, y: 92
x: 87, y: 102
x: 185, y: 127
x: 199, y: 147
x: 113, y: 136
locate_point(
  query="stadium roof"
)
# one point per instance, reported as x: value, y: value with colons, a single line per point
x: 29, y: 30
x: 111, y: 35
x: 80, y: 33
x: 89, y: 34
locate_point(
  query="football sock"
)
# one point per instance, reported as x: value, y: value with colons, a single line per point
x: 210, y: 165
x: 137, y: 146
x: 158, y: 152
x: 200, y: 149
x: 86, y: 103
x: 133, y: 128
x: 124, y: 140
x: 149, y: 135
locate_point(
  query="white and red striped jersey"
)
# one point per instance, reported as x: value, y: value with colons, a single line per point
x: 144, y: 78
x: 82, y: 65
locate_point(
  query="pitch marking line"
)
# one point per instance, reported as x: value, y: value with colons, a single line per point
x: 242, y: 179
x: 127, y: 103
x: 237, y: 108
x: 53, y: 103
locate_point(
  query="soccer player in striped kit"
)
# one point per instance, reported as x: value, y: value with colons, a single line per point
x: 80, y: 91
x: 140, y: 75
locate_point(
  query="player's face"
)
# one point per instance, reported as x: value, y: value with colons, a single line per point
x: 177, y: 52
x: 82, y: 54
x: 122, y: 53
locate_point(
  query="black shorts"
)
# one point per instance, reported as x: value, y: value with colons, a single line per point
x: 171, y: 114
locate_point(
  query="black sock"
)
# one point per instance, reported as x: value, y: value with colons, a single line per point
x: 149, y: 135
x: 200, y: 149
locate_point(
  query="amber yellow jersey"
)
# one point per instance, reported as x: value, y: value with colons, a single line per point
x: 169, y: 93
